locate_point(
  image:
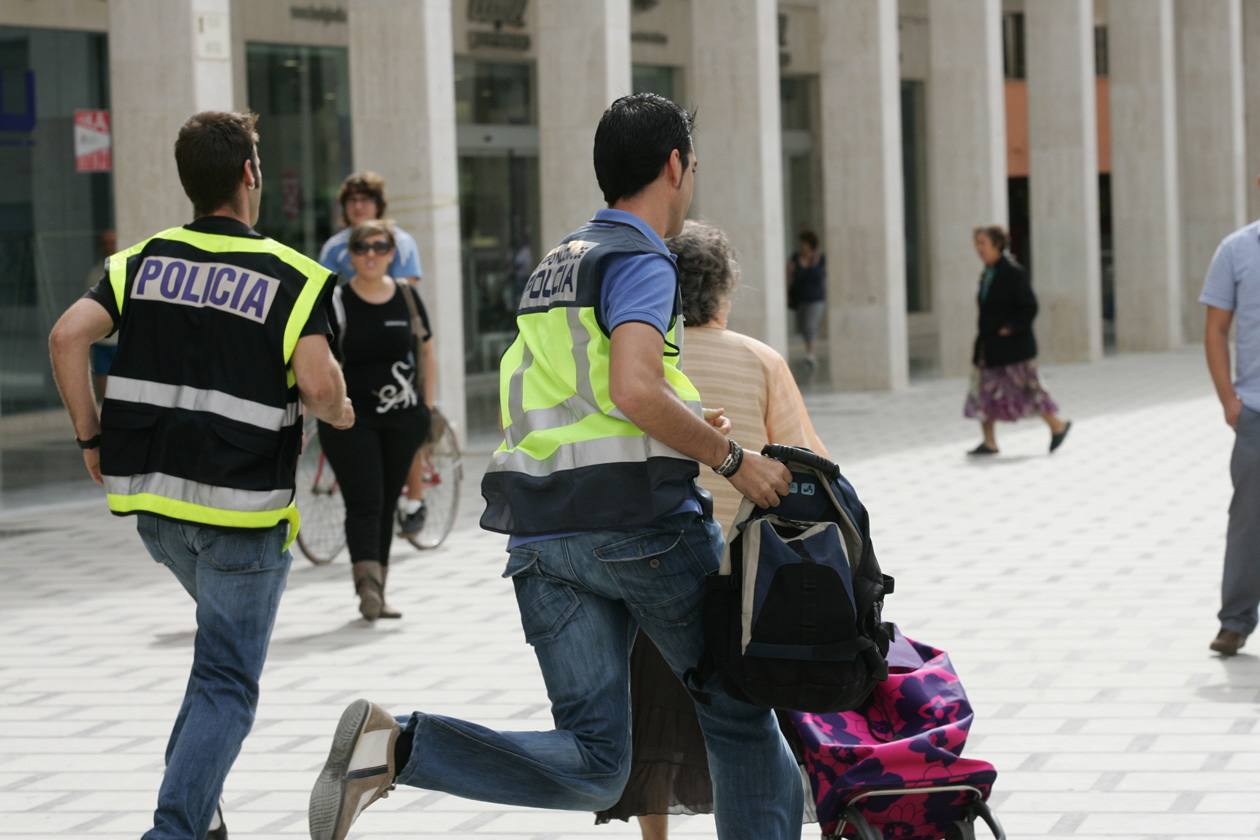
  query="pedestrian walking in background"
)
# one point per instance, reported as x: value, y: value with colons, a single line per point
x: 754, y: 386
x: 1231, y: 292
x: 362, y: 199
x: 391, y: 384
x: 807, y: 290
x: 1004, y: 383
x: 595, y: 484
x: 200, y: 430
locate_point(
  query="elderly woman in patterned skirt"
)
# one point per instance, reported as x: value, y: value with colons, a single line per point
x: 1004, y: 383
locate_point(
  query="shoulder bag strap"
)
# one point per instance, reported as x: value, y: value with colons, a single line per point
x: 409, y: 297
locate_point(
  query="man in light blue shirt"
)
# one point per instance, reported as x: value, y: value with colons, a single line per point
x: 362, y: 199
x: 1231, y: 292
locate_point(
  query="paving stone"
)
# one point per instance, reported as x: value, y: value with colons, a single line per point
x: 1075, y: 594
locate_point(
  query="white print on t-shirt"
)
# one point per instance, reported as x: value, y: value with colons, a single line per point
x: 402, y: 395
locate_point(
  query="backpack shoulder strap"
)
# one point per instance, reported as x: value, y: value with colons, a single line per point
x: 413, y: 312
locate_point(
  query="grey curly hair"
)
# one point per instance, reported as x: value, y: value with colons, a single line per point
x: 707, y: 270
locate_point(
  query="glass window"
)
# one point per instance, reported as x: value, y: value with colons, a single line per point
x: 1013, y: 45
x: 56, y: 223
x: 499, y: 208
x: 655, y: 78
x: 796, y: 103
x: 494, y: 93
x: 914, y: 184
x: 302, y: 97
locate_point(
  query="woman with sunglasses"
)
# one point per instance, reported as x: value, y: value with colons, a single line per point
x: 392, y: 392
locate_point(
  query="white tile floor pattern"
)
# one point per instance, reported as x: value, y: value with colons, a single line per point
x: 1076, y: 595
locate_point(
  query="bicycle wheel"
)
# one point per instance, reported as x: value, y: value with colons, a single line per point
x: 443, y: 475
x: 323, y: 532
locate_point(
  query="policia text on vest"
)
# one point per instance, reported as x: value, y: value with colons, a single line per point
x: 197, y: 425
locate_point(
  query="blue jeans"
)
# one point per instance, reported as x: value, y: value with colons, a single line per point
x: 581, y: 599
x: 236, y: 577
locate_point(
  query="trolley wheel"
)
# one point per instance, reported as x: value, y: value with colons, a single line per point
x: 323, y: 534
x: 443, y: 476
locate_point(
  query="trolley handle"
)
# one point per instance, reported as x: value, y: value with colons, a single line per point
x: 802, y: 456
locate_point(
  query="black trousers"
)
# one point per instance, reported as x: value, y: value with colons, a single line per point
x: 371, y: 460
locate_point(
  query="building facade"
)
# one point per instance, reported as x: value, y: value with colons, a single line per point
x: 1110, y: 135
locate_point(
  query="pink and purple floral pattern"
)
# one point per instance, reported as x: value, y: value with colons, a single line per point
x: 1007, y: 393
x: 909, y: 734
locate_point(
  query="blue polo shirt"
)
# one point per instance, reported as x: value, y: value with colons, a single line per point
x: 637, y: 287
x: 335, y: 255
x: 1233, y: 284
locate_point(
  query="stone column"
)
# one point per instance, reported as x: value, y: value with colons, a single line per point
x: 583, y: 65
x: 168, y: 59
x: 1063, y: 179
x: 1145, y: 198
x: 966, y: 161
x: 1251, y: 89
x: 733, y: 81
x: 862, y: 194
x: 402, y: 97
x: 1210, y: 139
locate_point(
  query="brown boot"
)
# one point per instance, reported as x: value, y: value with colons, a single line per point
x: 369, y: 585
x: 386, y: 610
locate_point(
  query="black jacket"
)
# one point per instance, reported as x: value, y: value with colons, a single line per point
x: 1010, y: 303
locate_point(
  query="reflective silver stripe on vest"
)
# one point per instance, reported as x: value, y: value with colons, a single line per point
x: 570, y: 411
x: 200, y: 399
x: 586, y: 453
x: 207, y: 495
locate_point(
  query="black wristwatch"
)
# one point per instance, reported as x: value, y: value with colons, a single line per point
x: 93, y: 442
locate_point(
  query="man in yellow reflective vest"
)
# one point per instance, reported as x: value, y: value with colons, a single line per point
x: 222, y: 334
x: 595, y: 486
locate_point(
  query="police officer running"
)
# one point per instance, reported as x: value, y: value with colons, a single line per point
x: 221, y: 332
x: 595, y: 484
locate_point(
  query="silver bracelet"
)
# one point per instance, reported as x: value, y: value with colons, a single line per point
x: 734, y: 459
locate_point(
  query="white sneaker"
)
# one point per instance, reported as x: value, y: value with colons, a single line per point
x: 360, y: 770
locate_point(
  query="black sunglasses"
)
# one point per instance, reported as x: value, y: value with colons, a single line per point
x: 379, y: 248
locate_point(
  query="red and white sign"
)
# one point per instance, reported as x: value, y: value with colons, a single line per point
x: 92, y: 152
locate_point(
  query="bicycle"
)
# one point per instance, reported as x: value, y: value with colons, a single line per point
x: 322, y: 536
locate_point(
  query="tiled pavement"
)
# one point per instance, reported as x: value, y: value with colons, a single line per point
x: 1076, y: 595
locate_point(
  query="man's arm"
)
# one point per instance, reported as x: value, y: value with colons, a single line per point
x: 320, y: 383
x: 69, y: 343
x: 639, y: 389
x: 1216, y: 348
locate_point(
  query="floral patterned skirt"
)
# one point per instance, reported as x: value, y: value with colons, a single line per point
x: 1007, y: 393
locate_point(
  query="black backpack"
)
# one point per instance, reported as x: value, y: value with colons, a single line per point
x: 792, y: 620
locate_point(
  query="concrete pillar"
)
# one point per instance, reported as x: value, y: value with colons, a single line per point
x: 168, y: 59
x: 862, y: 194
x: 733, y: 81
x: 402, y: 97
x: 966, y: 161
x: 1063, y: 179
x: 1210, y: 139
x: 583, y: 65
x: 1145, y: 198
x: 1251, y: 92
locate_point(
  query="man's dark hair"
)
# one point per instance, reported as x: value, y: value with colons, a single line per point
x: 635, y: 138
x: 209, y: 153
x: 366, y: 183
x: 809, y: 238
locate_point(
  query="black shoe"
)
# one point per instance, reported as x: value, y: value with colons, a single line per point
x: 982, y: 449
x: 218, y: 828
x: 413, y: 523
x: 1057, y: 440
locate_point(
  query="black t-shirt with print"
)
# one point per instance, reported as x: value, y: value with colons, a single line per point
x: 376, y: 351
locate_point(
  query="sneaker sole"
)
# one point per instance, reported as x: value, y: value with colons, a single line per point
x: 328, y: 795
